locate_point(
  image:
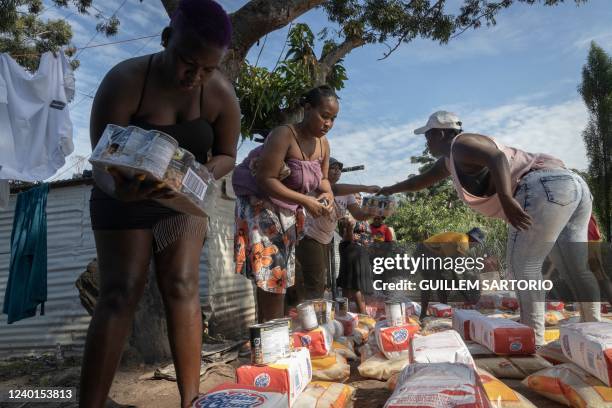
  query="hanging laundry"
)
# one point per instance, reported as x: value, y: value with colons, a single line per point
x: 27, y: 282
x: 5, y: 192
x: 36, y: 131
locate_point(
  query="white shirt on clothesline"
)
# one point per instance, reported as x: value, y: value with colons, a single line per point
x: 35, y: 125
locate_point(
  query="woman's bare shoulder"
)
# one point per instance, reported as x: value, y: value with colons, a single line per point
x: 127, y: 76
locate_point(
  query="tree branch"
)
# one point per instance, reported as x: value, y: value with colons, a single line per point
x: 403, y: 37
x: 340, y: 51
x: 260, y: 17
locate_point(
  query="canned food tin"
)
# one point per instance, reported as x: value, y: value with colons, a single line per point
x: 395, y: 311
x: 284, y: 324
x: 307, y: 316
x: 323, y: 310
x: 269, y: 342
x: 343, y: 306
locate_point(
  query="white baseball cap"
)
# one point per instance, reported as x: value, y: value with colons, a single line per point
x: 440, y: 120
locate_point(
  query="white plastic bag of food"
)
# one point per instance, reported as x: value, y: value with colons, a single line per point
x: 461, y: 321
x: 589, y: 346
x: 443, y: 347
x: 570, y: 385
x: 437, y: 385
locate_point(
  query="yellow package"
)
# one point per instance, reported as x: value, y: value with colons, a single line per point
x: 333, y: 367
x: 570, y: 385
x: 345, y: 349
x: 551, y: 334
x: 379, y: 368
x: 323, y: 394
x: 500, y: 395
x: 361, y: 334
x: 366, y: 321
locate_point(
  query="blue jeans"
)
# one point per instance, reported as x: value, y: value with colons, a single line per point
x: 559, y: 202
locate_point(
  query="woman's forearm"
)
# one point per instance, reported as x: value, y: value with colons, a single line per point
x: 325, y: 186
x: 346, y: 189
x: 500, y: 174
x: 220, y: 165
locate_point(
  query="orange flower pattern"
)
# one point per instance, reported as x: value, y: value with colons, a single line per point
x: 264, y: 243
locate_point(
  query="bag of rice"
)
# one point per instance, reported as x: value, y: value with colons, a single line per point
x: 333, y: 367
x: 323, y: 394
x: 553, y: 353
x: 589, y: 346
x: 344, y: 347
x: 437, y: 385
x: 431, y: 325
x: 378, y: 367
x: 570, y: 385
x: 517, y: 367
x: 461, y: 322
x: 443, y: 347
x: 500, y: 395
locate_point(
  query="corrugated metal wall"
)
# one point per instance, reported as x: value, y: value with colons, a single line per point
x: 232, y: 296
x: 71, y: 247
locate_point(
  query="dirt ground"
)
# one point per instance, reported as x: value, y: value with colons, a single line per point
x: 132, y: 387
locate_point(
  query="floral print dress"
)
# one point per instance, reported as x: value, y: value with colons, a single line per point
x: 264, y: 242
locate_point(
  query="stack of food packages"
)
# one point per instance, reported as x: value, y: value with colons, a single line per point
x: 584, y: 379
x: 295, y: 360
x: 440, y: 362
x: 383, y: 206
x: 155, y: 155
x: 386, y: 349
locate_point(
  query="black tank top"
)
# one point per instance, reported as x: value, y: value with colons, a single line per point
x: 195, y: 135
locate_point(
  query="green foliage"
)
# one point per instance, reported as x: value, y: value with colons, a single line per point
x: 24, y: 34
x: 596, y: 90
x: 382, y: 21
x: 269, y: 97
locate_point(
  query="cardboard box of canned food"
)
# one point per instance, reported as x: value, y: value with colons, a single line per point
x: 132, y: 151
x: 288, y: 375
x: 502, y: 336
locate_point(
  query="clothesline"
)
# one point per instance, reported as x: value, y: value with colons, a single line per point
x: 92, y: 46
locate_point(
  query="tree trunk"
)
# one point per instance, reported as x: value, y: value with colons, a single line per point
x: 148, y: 341
x: 251, y: 22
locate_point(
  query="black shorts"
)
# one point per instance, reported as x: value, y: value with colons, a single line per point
x: 108, y: 213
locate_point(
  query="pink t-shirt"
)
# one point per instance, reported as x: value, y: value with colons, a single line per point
x: 519, y: 161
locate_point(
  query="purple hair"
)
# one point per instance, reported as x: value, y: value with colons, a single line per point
x: 206, y: 18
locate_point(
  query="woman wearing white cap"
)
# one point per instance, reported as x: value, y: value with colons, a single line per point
x: 545, y: 204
